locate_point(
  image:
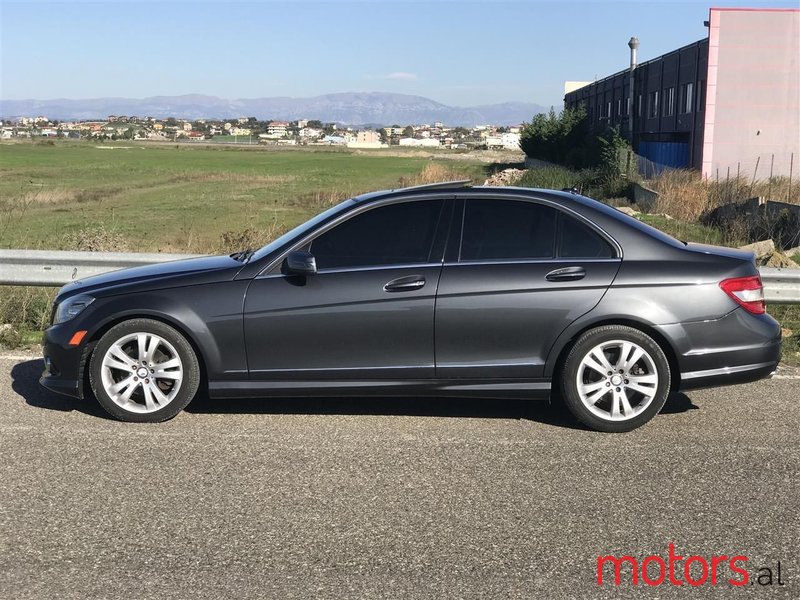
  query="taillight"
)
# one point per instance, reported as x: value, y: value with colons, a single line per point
x: 747, y: 291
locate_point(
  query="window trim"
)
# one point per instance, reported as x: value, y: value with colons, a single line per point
x: 274, y: 266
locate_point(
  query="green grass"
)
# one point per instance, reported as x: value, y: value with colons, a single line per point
x: 789, y: 318
x: 686, y: 231
x: 178, y: 198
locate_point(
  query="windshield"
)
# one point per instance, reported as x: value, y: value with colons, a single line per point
x: 298, y: 231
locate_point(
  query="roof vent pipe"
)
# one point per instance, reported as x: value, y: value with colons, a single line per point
x: 633, y: 44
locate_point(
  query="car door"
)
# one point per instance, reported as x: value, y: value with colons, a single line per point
x: 521, y: 272
x: 368, y: 311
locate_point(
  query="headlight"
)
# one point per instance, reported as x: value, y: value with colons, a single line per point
x: 72, y: 307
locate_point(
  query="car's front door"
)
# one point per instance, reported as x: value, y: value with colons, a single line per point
x: 520, y: 274
x: 368, y: 311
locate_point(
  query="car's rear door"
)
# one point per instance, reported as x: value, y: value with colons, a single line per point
x: 516, y: 275
x: 368, y: 311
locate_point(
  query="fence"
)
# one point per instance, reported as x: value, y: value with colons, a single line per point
x: 51, y: 268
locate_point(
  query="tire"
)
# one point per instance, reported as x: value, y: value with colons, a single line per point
x: 143, y: 371
x: 615, y: 379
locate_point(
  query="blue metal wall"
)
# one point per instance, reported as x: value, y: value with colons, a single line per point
x: 673, y: 155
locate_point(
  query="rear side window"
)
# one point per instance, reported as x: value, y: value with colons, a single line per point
x: 507, y: 229
x: 396, y: 234
x: 577, y: 240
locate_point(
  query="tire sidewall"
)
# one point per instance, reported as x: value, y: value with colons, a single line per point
x: 582, y: 346
x: 191, y: 370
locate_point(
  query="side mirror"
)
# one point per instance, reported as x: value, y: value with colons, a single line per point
x: 300, y: 262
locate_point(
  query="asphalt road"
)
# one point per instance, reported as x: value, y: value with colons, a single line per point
x: 388, y: 498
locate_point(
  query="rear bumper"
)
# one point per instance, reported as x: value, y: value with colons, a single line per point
x: 727, y: 375
x: 737, y: 348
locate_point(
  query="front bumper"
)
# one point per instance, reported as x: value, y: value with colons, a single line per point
x: 63, y: 364
x: 737, y: 348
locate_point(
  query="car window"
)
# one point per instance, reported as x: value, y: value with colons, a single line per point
x: 578, y: 240
x: 507, y: 229
x: 396, y: 234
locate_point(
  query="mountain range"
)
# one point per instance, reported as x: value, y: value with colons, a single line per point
x: 349, y: 108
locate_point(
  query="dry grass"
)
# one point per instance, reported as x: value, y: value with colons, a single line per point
x: 250, y: 238
x: 433, y: 172
x: 231, y: 177
x: 95, y: 239
x: 26, y: 308
x: 685, y: 195
x: 48, y: 196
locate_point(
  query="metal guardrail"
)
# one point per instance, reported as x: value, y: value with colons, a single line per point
x: 781, y: 286
x: 56, y: 268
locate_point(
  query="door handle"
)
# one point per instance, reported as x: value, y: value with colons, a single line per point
x: 405, y: 284
x: 566, y: 274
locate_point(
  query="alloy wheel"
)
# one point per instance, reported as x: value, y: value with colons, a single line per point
x: 142, y: 372
x: 617, y: 380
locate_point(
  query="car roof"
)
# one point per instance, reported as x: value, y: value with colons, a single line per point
x: 464, y: 186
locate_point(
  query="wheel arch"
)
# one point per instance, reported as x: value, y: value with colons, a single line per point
x: 565, y: 343
x: 153, y: 316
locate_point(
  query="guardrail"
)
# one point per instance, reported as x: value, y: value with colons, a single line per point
x: 56, y: 268
x: 781, y: 286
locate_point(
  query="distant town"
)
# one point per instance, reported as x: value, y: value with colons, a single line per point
x: 250, y: 130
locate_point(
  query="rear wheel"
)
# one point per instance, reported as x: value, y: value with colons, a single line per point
x: 144, y: 371
x: 615, y: 378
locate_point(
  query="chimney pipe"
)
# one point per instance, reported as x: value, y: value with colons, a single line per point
x: 633, y: 44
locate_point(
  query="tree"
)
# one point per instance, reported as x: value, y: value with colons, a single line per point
x: 315, y: 124
x: 408, y: 131
x: 563, y: 138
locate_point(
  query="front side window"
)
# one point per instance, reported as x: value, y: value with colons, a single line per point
x: 507, y: 230
x: 397, y: 234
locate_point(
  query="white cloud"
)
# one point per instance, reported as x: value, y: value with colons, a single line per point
x: 401, y: 76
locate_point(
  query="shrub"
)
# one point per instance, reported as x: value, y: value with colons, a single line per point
x: 95, y: 239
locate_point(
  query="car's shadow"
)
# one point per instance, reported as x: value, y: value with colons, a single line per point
x: 25, y: 382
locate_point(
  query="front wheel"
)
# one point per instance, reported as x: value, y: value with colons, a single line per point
x: 143, y: 371
x: 615, y: 378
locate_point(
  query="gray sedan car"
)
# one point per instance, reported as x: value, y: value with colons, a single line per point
x: 428, y: 291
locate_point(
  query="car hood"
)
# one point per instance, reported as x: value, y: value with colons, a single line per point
x: 206, y: 269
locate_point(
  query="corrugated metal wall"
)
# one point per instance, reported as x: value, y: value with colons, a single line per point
x: 674, y: 155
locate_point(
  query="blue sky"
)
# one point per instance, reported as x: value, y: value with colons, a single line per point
x: 456, y: 52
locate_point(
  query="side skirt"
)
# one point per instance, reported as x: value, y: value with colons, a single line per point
x: 463, y: 388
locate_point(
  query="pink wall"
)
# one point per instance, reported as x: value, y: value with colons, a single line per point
x: 753, y: 92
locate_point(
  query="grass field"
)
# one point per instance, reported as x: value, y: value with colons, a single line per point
x: 164, y: 197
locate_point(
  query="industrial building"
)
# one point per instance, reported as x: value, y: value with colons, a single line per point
x: 729, y: 103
